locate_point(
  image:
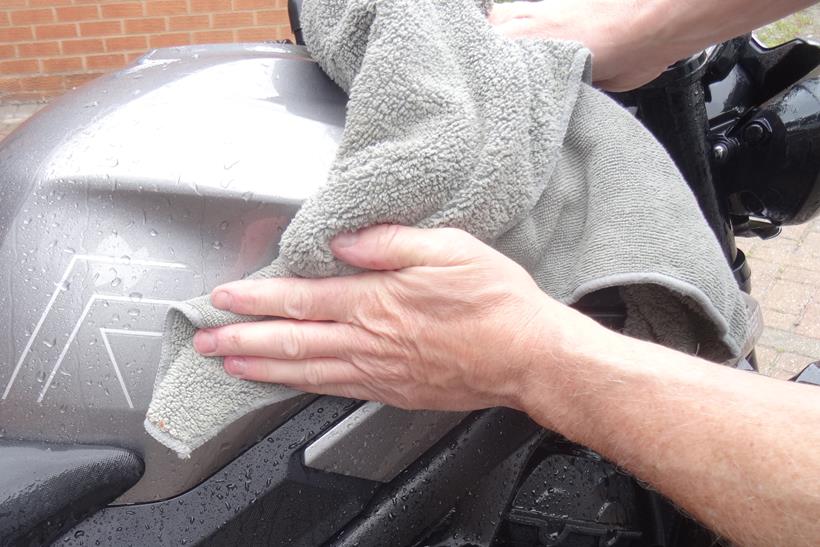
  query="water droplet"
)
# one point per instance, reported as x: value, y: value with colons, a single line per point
x: 136, y: 296
x: 224, y: 225
x: 134, y: 312
x: 154, y: 233
x: 116, y: 282
x: 50, y: 343
x: 216, y: 245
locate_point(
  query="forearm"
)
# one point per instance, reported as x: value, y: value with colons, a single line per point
x: 683, y: 27
x: 738, y: 451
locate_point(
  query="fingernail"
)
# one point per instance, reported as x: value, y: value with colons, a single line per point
x: 221, y: 300
x: 346, y: 239
x: 204, y: 342
x: 235, y: 366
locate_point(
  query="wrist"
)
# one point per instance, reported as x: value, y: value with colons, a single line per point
x: 565, y: 347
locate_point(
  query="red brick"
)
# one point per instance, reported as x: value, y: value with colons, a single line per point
x: 254, y: 4
x: 78, y: 13
x: 62, y: 64
x: 123, y: 9
x: 131, y: 57
x: 48, y: 3
x: 4, y: 19
x: 101, y: 28
x: 138, y: 26
x: 259, y: 34
x: 126, y: 43
x: 14, y: 4
x: 232, y: 20
x: 284, y: 33
x: 27, y: 66
x: 6, y: 51
x: 272, y: 17
x: 55, y: 31
x: 38, y: 49
x: 76, y: 80
x: 42, y: 83
x: 166, y: 7
x: 199, y: 6
x: 189, y: 22
x: 103, y: 62
x: 15, y: 34
x: 170, y: 40
x: 32, y: 96
x: 32, y: 16
x: 213, y: 37
x: 83, y: 46
x: 7, y: 85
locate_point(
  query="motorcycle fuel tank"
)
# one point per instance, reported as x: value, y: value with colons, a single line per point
x: 148, y: 186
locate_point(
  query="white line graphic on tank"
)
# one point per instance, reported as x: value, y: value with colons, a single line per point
x: 60, y: 287
x: 94, y: 298
x: 104, y: 332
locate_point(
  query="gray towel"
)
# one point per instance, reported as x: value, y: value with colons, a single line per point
x: 449, y: 124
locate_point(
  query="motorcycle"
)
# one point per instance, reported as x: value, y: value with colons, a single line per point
x: 155, y: 183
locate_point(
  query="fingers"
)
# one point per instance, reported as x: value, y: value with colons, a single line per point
x: 393, y: 247
x: 307, y: 374
x: 332, y: 299
x: 281, y: 339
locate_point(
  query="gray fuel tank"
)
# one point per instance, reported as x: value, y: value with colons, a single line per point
x: 148, y: 186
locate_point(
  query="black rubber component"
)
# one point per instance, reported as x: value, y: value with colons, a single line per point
x: 263, y: 497
x: 422, y: 496
x: 477, y: 517
x: 572, y: 497
x: 809, y: 375
x: 675, y: 113
x: 294, y: 14
x: 47, y: 488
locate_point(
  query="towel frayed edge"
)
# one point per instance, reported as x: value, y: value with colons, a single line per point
x: 182, y: 450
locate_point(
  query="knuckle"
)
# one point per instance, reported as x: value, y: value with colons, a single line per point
x: 233, y: 340
x: 314, y: 375
x: 388, y: 236
x: 291, y: 342
x: 296, y: 303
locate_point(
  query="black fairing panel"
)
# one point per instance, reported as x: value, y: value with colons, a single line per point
x: 266, y: 496
x: 46, y: 488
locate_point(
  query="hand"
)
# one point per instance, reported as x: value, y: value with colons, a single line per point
x: 625, y: 51
x: 447, y: 323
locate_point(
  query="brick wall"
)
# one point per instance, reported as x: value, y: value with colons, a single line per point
x: 50, y: 46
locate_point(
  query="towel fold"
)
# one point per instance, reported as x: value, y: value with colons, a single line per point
x: 449, y: 124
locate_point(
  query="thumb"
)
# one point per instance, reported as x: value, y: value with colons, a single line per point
x: 393, y: 247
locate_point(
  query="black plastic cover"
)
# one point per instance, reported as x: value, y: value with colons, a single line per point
x: 809, y: 375
x: 47, y: 488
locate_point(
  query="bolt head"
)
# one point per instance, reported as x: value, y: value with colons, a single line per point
x: 720, y: 152
x: 754, y: 133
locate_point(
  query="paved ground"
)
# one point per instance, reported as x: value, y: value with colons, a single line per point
x: 785, y: 279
